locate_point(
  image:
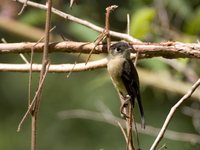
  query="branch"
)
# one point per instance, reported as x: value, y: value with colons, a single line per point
x: 21, y: 29
x: 44, y: 70
x: 62, y: 68
x: 171, y: 114
x: 68, y: 46
x: 146, y: 50
x: 80, y: 21
x: 147, y: 77
x: 111, y: 119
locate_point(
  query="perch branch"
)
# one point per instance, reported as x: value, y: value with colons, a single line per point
x: 146, y: 50
x: 113, y: 120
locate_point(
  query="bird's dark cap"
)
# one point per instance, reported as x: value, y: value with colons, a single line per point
x: 121, y: 45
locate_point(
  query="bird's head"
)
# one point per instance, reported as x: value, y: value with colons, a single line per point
x: 120, y: 49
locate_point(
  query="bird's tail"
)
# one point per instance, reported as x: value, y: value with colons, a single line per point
x: 141, y: 112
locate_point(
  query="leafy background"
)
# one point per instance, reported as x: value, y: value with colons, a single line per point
x: 93, y: 90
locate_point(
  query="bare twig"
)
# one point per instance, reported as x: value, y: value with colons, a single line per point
x: 55, y: 68
x: 80, y: 21
x: 23, y: 58
x: 104, y: 34
x: 107, y: 23
x: 130, y: 108
x: 171, y: 113
x: 99, y: 39
x: 188, y: 72
x: 129, y: 123
x: 33, y: 101
x: 113, y: 120
x: 123, y: 131
x: 31, y: 64
x: 71, y: 3
x: 23, y: 7
x: 68, y: 75
x: 20, y: 54
x: 34, y: 113
x: 163, y: 147
x: 128, y: 24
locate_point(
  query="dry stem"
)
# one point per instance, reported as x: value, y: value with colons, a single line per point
x: 171, y: 114
x: 44, y: 69
x: 115, y: 121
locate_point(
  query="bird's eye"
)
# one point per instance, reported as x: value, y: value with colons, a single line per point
x: 118, y: 49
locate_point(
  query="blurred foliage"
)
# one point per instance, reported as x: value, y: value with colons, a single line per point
x: 141, y: 22
x: 93, y: 89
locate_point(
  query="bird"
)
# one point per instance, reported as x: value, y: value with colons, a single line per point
x: 124, y: 76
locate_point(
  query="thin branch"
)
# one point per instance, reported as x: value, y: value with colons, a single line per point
x: 107, y: 23
x: 33, y: 101
x: 113, y: 120
x: 62, y: 68
x: 20, y: 54
x: 80, y: 21
x: 44, y: 69
x: 21, y: 29
x: 23, y: 58
x: 104, y: 34
x: 171, y: 113
x: 146, y: 50
x: 128, y: 24
x: 68, y: 75
x: 185, y: 69
x: 71, y: 3
x: 129, y: 123
x: 123, y: 131
x: 30, y: 70
x: 146, y: 77
x: 23, y: 7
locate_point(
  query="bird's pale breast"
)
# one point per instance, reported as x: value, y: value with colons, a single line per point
x: 114, y: 67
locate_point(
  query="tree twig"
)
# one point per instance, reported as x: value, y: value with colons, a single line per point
x: 33, y: 101
x: 104, y: 34
x: 113, y: 120
x: 107, y: 23
x: 23, y: 7
x: 171, y: 114
x: 80, y: 21
x: 45, y: 61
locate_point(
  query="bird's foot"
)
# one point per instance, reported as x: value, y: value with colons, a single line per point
x: 124, y: 105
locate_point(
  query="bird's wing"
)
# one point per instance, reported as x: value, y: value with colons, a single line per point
x: 131, y: 81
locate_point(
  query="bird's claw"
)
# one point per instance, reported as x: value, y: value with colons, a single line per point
x: 124, y: 105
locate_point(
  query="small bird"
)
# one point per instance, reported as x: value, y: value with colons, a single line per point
x: 124, y: 76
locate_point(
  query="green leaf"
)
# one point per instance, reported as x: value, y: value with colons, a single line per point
x: 141, y: 22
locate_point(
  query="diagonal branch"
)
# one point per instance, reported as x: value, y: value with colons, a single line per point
x: 80, y: 21
x: 113, y: 120
x: 171, y: 114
